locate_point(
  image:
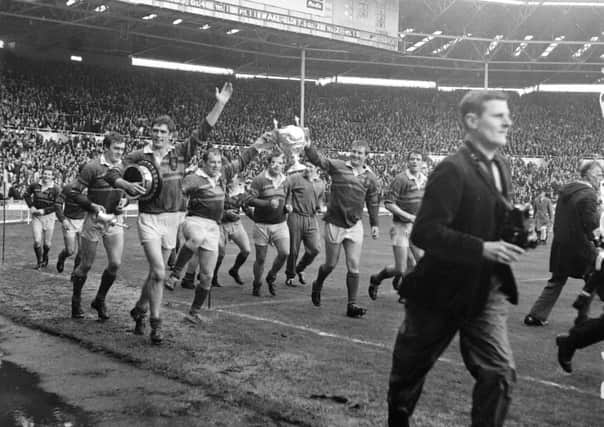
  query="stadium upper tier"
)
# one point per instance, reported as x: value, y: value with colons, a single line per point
x: 67, y: 96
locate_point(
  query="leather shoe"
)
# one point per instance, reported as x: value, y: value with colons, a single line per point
x: 533, y: 321
x: 354, y: 310
x: 566, y: 352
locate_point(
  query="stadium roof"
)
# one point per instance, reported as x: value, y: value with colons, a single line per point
x: 448, y: 41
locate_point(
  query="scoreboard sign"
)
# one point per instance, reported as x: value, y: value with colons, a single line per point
x: 367, y: 22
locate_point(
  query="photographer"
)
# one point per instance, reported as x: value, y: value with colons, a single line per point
x: 464, y: 278
x: 573, y: 252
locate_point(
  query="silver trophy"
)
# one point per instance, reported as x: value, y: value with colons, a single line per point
x: 292, y: 139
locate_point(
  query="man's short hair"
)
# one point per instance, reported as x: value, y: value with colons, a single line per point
x: 165, y: 120
x: 110, y: 138
x: 474, y: 100
x: 411, y: 153
x: 360, y: 143
x: 272, y: 155
x: 211, y: 151
x: 587, y: 166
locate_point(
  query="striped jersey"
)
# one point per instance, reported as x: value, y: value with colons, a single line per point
x: 263, y: 189
x: 207, y: 194
x: 348, y: 192
x: 93, y: 177
x: 172, y: 167
x: 46, y: 198
x: 406, y: 191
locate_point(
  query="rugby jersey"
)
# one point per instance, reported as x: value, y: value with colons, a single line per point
x: 406, y: 191
x: 263, y: 189
x: 169, y: 198
x: 69, y: 208
x: 93, y: 177
x: 232, y: 208
x: 348, y: 191
x: 304, y: 195
x: 47, y: 199
x: 207, y: 194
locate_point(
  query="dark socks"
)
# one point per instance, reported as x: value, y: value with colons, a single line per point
x: 322, y: 275
x: 218, y: 263
x: 183, y: 257
x: 200, y: 297
x: 241, y: 257
x: 78, y: 284
x: 107, y: 280
x: 305, y: 261
x: 46, y: 249
x: 352, y: 285
x: 385, y: 273
x: 38, y: 252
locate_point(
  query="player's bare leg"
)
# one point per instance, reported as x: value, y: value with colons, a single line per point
x: 207, y: 263
x: 114, y: 248
x: 241, y: 239
x: 282, y: 246
x: 79, y: 275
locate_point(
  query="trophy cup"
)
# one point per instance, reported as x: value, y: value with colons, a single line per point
x: 292, y: 139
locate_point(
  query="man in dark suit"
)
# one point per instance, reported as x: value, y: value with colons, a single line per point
x: 573, y: 252
x: 464, y: 278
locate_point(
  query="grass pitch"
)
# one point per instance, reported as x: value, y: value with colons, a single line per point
x: 297, y: 364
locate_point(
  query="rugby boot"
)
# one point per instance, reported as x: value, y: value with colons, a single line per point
x: 76, y: 308
x: 354, y: 310
x: 61, y: 262
x: 256, y: 289
x: 290, y: 282
x: 301, y: 277
x: 139, y: 316
x: 270, y: 281
x: 188, y: 282
x: 315, y: 295
x: 171, y: 282
x: 566, y: 351
x: 234, y: 273
x: 373, y: 287
x: 156, y: 335
x: 101, y: 309
x: 215, y: 283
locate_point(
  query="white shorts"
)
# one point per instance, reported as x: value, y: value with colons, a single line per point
x: 203, y: 232
x: 400, y: 233
x: 163, y: 227
x: 265, y: 234
x: 43, y: 222
x: 336, y: 235
x: 94, y: 231
x: 74, y: 226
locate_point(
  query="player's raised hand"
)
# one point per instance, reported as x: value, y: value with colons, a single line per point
x: 223, y: 95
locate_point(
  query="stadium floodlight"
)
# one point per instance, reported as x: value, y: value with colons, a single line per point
x: 177, y: 21
x: 522, y: 46
x: 149, y: 17
x: 581, y: 51
x: 369, y: 81
x: 493, y: 44
x: 179, y: 66
x: 423, y: 41
x: 404, y: 33
x: 75, y: 58
x: 233, y: 31
x: 100, y: 9
x: 551, y: 46
x: 205, y: 27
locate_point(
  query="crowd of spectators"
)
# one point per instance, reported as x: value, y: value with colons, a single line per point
x: 68, y: 98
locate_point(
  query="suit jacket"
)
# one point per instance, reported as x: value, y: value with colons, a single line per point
x: 460, y: 210
x: 573, y: 253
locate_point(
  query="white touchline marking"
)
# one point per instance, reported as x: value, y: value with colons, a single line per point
x: 222, y: 309
x: 384, y: 346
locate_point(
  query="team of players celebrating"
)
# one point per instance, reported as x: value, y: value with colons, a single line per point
x: 200, y: 209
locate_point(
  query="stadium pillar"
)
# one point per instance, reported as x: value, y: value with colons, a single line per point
x: 486, y: 75
x: 302, y: 78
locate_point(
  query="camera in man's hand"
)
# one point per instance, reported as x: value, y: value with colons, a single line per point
x: 516, y: 228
